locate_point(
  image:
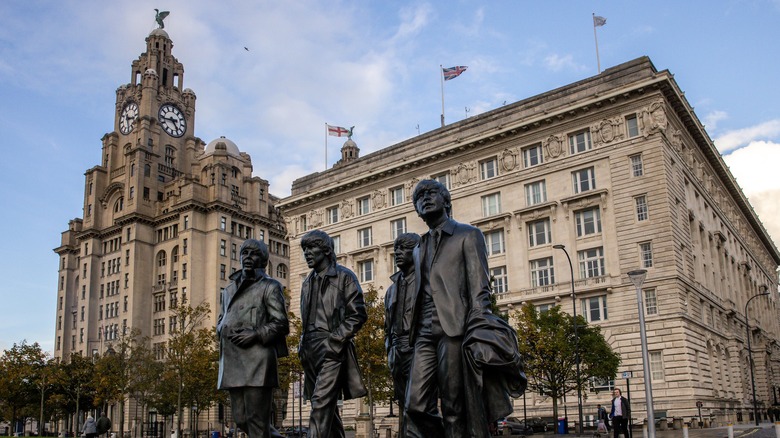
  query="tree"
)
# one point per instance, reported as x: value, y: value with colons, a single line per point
x: 191, y: 360
x: 18, y: 366
x: 371, y: 353
x: 290, y: 368
x: 547, y: 344
x: 74, y: 379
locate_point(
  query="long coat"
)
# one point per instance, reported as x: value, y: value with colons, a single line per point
x: 255, y: 303
x: 343, y: 301
x: 458, y: 277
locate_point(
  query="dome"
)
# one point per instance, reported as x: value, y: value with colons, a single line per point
x: 223, y: 143
x: 349, y: 144
x: 188, y: 91
x: 159, y: 32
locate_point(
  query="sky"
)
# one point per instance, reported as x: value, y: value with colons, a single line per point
x: 269, y: 75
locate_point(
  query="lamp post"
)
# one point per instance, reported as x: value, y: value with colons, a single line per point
x: 750, y: 354
x: 638, y: 278
x: 576, y: 339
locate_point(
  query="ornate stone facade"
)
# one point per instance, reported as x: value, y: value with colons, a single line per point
x: 619, y: 170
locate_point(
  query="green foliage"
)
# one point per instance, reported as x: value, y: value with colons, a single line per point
x: 290, y: 368
x: 22, y: 369
x: 547, y: 344
x: 371, y: 353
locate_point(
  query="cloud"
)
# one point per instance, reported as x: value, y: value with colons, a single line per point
x: 753, y: 166
x: 557, y: 63
x: 413, y: 20
x: 711, y: 120
x: 732, y: 140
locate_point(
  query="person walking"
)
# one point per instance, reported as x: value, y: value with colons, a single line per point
x: 620, y: 413
x: 89, y: 429
x: 103, y: 424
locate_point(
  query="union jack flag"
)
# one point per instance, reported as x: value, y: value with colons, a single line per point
x: 453, y: 72
x: 337, y: 131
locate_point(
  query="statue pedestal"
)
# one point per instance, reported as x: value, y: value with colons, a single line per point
x: 363, y: 426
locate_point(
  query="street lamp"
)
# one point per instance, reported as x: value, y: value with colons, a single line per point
x: 750, y: 353
x: 576, y: 339
x: 638, y: 278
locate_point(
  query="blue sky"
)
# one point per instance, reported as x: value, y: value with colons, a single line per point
x: 371, y: 64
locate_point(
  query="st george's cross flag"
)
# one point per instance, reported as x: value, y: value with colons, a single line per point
x: 337, y: 131
x: 453, y: 72
x: 599, y: 21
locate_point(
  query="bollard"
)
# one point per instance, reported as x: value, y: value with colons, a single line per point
x: 644, y: 430
x: 731, y: 430
x: 777, y: 429
x: 685, y: 430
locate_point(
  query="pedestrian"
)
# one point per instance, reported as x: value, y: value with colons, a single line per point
x: 89, y: 429
x: 602, y: 417
x: 620, y: 413
x: 103, y: 424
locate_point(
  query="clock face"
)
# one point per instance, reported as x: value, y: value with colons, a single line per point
x: 172, y: 120
x: 128, y: 117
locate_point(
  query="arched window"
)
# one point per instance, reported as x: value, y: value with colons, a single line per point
x: 119, y: 205
x: 175, y: 255
x: 161, y: 262
x: 281, y: 271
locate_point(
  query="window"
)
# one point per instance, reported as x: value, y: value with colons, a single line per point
x: 397, y: 196
x: 332, y: 215
x: 532, y: 155
x: 186, y: 222
x: 651, y: 302
x: 223, y: 223
x: 366, y: 270
x: 539, y: 233
x: 303, y: 223
x: 601, y: 385
x: 172, y: 324
x: 398, y: 227
x: 632, y: 127
x: 364, y: 237
x: 491, y: 204
x: 498, y: 276
x: 579, y: 142
x: 159, y: 326
x: 184, y: 247
x: 535, y: 193
x: 281, y: 271
x: 222, y: 272
x: 488, y: 168
x: 494, y: 240
x: 159, y: 303
x: 363, y: 205
x: 222, y: 247
x: 591, y: 262
x: 594, y: 308
x: 541, y: 308
x: 336, y: 244
x: 657, y: 366
x: 588, y: 221
x: 641, y: 208
x: 443, y: 178
x: 646, y: 254
x: 542, y: 272
x: 637, y: 169
x: 174, y: 299
x: 583, y: 180
x: 233, y: 251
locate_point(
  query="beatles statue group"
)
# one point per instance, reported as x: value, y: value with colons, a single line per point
x: 445, y: 348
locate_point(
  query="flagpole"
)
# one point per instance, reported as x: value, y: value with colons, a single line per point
x: 326, y: 145
x: 598, y: 61
x: 441, y: 77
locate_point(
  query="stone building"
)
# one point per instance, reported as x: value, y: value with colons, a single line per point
x: 164, y: 215
x: 619, y: 169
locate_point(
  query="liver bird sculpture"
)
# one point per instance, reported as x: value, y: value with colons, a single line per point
x: 159, y: 17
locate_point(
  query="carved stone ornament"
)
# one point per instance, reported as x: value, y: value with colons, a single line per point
x: 653, y: 119
x: 676, y: 140
x: 289, y: 226
x: 509, y: 159
x: 554, y: 145
x: 607, y: 131
x: 315, y: 218
x: 379, y: 199
x: 464, y: 174
x: 410, y: 185
x: 346, y: 209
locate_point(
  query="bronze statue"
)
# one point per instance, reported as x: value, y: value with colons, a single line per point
x: 332, y: 312
x: 251, y: 328
x: 398, y: 314
x: 464, y: 356
x: 159, y: 17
